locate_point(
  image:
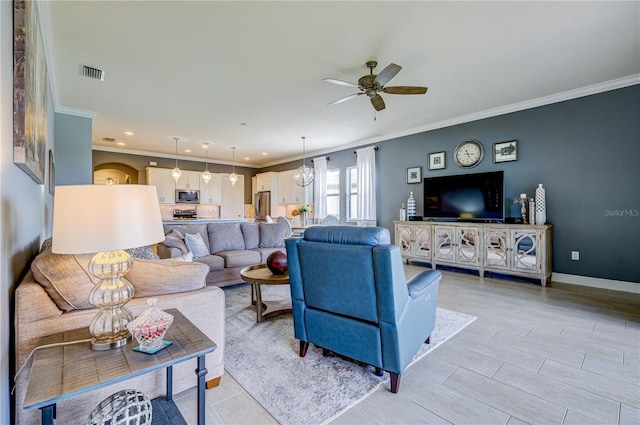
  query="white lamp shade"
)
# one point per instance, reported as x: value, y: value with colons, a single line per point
x: 98, y: 218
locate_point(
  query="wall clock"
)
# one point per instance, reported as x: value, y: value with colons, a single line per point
x: 468, y: 153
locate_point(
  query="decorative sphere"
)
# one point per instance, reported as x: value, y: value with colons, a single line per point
x: 277, y: 262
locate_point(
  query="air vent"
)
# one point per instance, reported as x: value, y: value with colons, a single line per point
x: 108, y: 139
x: 95, y: 73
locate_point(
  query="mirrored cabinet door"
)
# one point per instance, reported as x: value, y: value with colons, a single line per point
x: 525, y: 256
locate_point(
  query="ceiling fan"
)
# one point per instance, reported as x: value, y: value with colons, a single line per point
x: 373, y: 84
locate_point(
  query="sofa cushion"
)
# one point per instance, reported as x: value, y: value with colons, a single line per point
x: 225, y: 237
x: 66, y: 278
x: 195, y: 244
x: 215, y: 262
x: 160, y: 277
x: 251, y: 234
x: 179, y: 230
x: 239, y: 258
x: 272, y: 235
x: 264, y: 252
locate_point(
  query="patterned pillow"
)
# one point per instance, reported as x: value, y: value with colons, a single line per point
x: 195, y: 245
x: 144, y: 252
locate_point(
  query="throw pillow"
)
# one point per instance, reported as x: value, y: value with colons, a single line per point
x: 251, y: 235
x: 195, y: 245
x: 174, y: 242
x: 144, y: 252
x: 184, y: 257
x: 272, y: 235
x: 151, y: 278
x: 66, y: 278
x: 176, y: 234
x: 225, y: 237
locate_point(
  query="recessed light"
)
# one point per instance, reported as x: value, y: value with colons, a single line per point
x: 246, y: 158
x: 129, y: 133
x: 264, y: 154
x: 121, y: 144
x: 187, y: 150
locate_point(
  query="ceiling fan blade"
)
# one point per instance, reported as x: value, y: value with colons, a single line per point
x: 377, y: 102
x: 387, y: 74
x: 405, y: 90
x: 344, y: 99
x: 340, y: 82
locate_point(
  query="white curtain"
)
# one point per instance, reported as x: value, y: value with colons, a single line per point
x: 320, y: 188
x: 366, y: 171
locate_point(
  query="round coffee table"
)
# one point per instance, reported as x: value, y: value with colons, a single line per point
x: 257, y: 276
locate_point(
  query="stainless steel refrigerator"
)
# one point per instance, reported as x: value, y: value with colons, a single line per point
x: 262, y: 203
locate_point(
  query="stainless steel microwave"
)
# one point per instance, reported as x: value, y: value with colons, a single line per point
x: 186, y: 196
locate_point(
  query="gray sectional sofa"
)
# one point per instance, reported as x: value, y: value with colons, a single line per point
x: 225, y: 247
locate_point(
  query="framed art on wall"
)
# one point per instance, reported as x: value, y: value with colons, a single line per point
x: 436, y: 161
x: 30, y: 92
x: 414, y: 175
x: 505, y: 151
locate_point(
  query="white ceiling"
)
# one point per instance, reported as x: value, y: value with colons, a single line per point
x: 197, y: 70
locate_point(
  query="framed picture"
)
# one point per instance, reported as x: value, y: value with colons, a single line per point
x: 505, y: 151
x: 414, y: 175
x: 436, y: 161
x: 29, y: 92
x: 52, y: 174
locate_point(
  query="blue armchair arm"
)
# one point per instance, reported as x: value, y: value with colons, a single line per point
x: 419, y: 284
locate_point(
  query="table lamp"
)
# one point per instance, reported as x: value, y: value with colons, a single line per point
x: 106, y: 219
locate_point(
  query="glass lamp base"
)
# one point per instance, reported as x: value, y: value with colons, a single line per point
x: 109, y: 344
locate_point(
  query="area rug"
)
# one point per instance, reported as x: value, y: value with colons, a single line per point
x: 263, y: 358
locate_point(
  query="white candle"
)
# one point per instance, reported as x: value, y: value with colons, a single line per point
x: 523, y: 195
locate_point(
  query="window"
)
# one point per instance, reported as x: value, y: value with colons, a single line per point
x: 352, y: 193
x: 333, y: 193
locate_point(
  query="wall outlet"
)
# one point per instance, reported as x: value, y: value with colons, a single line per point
x: 575, y: 255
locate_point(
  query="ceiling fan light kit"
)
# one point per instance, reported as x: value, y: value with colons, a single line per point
x: 374, y: 84
x: 304, y: 174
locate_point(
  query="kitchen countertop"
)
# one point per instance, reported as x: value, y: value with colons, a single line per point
x: 205, y: 220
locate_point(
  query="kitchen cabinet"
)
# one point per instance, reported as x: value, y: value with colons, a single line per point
x: 211, y: 193
x: 291, y: 193
x: 163, y: 181
x: 189, y: 180
x: 267, y: 181
x: 513, y: 249
x: 231, y: 197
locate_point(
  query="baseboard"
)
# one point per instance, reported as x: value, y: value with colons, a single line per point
x: 595, y: 282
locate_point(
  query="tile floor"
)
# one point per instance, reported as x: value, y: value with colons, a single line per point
x: 563, y: 354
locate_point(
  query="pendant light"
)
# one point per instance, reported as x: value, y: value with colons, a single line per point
x: 176, y: 173
x: 233, y: 177
x: 206, y: 175
x: 304, y: 174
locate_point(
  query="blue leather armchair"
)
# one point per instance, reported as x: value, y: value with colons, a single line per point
x: 350, y: 296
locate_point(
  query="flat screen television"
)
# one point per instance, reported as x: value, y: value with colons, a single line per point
x: 468, y: 197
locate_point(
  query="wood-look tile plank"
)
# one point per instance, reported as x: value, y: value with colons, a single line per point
x: 629, y: 415
x: 589, y: 346
x: 188, y: 406
x: 589, y: 381
x: 515, y: 421
x: 522, y: 405
x: 558, y: 353
x: 459, y: 355
x: 611, y: 369
x: 242, y: 409
x: 228, y: 387
x: 449, y: 404
x: 587, y: 403
x: 577, y: 418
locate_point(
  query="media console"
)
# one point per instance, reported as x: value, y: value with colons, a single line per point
x: 513, y: 249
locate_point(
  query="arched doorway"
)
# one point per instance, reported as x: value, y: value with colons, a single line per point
x: 114, y: 173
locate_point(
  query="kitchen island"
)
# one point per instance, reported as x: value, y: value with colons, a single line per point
x: 204, y: 220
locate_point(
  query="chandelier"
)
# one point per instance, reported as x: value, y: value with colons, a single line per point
x: 176, y: 173
x: 206, y: 175
x: 304, y: 174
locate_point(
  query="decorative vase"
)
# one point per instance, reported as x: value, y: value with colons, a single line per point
x: 541, y: 211
x: 303, y: 218
x: 411, y: 205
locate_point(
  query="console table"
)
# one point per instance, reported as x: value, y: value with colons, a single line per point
x: 513, y: 249
x: 62, y: 372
